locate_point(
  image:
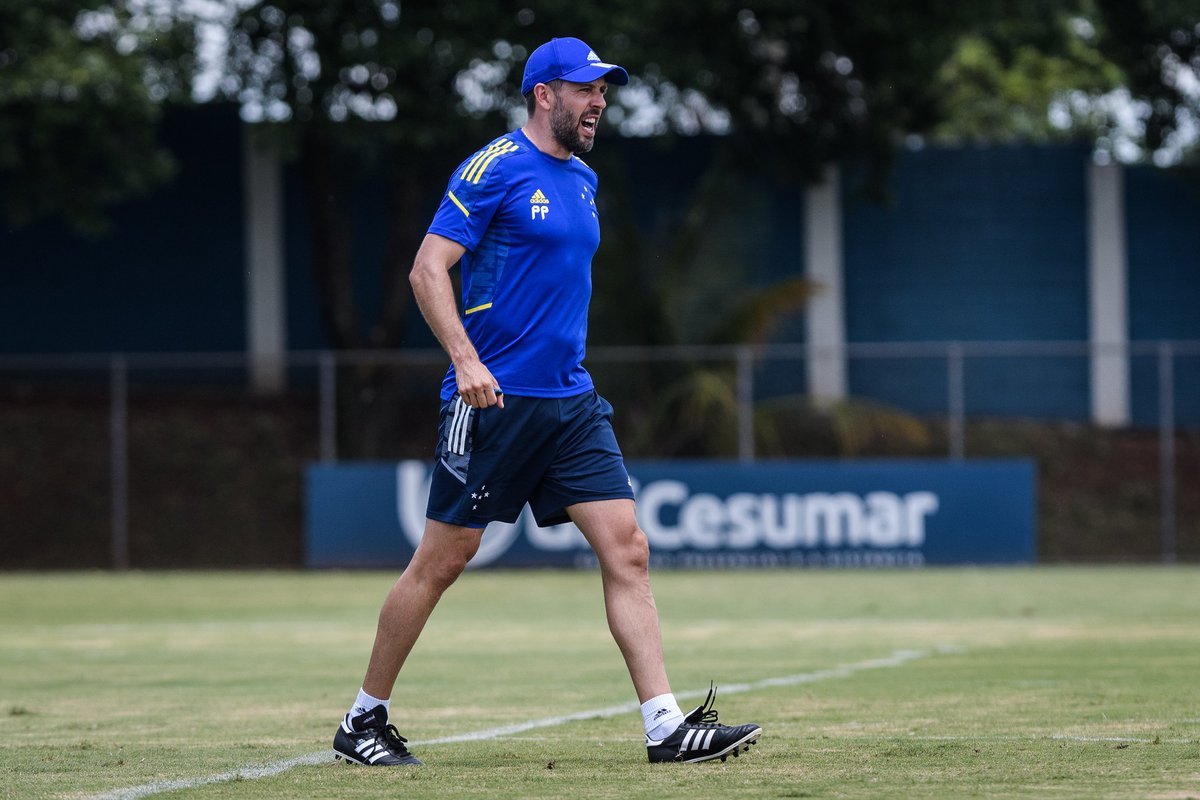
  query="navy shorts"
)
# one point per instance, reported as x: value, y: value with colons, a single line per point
x: 548, y: 452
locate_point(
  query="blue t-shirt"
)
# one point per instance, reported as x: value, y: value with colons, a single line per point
x: 530, y: 226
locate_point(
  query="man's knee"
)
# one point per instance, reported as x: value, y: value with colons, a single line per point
x: 443, y: 571
x: 631, y: 550
x: 439, y: 561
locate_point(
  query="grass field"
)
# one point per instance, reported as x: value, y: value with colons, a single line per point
x: 1045, y: 682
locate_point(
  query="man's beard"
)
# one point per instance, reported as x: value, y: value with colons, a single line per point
x: 565, y: 129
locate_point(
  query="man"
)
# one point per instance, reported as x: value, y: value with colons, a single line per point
x: 521, y: 421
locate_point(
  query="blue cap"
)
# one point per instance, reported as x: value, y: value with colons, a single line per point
x: 571, y: 60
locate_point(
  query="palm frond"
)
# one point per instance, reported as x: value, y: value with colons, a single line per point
x: 755, y: 319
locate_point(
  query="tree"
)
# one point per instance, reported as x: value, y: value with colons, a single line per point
x: 82, y: 88
x: 804, y: 84
x: 1156, y: 43
x: 1011, y: 83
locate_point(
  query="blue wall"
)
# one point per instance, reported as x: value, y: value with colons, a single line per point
x: 368, y: 244
x: 974, y: 245
x: 169, y: 276
x: 1163, y: 228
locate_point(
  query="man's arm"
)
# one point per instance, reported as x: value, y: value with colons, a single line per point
x: 431, y: 285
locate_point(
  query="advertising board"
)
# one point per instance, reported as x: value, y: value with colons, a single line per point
x: 703, y: 514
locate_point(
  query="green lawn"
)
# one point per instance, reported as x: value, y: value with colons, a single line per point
x: 1045, y: 682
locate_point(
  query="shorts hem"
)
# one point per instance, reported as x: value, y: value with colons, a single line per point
x: 560, y: 515
x: 450, y: 519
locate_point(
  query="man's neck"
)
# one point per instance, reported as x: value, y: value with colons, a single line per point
x: 544, y: 140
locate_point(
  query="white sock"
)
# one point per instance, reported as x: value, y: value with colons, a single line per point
x: 662, y: 716
x: 366, y: 702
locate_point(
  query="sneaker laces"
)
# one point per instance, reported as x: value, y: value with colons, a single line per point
x: 394, y: 739
x: 705, y: 715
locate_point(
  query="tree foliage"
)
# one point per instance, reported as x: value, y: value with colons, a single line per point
x: 806, y: 83
x: 1156, y: 44
x: 82, y: 86
x: 1005, y: 84
x: 792, y: 83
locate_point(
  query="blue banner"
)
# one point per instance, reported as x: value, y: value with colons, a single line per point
x: 701, y: 514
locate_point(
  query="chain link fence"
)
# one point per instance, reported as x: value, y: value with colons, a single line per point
x: 169, y: 460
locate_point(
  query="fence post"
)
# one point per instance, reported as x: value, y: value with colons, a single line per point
x: 327, y: 367
x: 745, y: 403
x: 956, y: 401
x: 118, y: 430
x: 1166, y: 449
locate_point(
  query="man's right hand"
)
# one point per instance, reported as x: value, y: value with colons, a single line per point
x: 477, y: 386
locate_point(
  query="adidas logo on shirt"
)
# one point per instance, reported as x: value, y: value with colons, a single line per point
x: 538, y: 197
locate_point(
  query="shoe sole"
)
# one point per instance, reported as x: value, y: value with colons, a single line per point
x: 737, y: 748
x: 359, y: 761
x: 337, y: 756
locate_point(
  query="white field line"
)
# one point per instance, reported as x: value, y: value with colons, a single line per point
x: 1034, y: 737
x: 965, y: 739
x: 896, y: 659
x: 244, y: 773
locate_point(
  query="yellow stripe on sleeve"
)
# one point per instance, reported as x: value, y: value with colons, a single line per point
x: 477, y: 308
x: 482, y: 154
x: 461, y: 207
x: 475, y: 160
x: 475, y: 174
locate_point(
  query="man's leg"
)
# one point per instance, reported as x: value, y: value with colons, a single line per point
x: 439, y: 560
x: 364, y: 737
x: 611, y: 528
